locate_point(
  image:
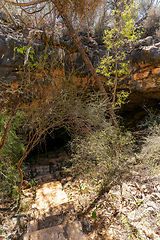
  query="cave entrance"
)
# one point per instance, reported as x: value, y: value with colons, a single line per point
x: 51, y: 142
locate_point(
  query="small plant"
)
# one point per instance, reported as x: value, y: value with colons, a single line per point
x: 139, y: 202
x: 149, y: 154
x: 25, y: 50
x: 94, y: 213
x: 25, y: 207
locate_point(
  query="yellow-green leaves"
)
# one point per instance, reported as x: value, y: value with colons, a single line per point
x: 114, y: 65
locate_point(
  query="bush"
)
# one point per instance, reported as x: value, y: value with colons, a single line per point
x: 11, y: 152
x: 149, y: 155
x: 101, y: 154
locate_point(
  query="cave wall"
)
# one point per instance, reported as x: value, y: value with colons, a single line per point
x: 143, y: 83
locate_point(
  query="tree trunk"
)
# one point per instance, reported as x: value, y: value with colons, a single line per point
x: 76, y: 40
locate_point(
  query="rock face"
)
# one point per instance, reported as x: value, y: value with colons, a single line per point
x: 143, y: 83
x: 10, y: 60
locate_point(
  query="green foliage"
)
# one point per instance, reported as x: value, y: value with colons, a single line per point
x: 100, y: 154
x: 94, y: 213
x: 24, y: 50
x: 13, y: 147
x: 10, y: 154
x: 115, y: 64
x: 122, y: 98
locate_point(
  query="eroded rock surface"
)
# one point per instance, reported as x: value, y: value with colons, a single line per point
x: 143, y: 83
x: 51, y: 214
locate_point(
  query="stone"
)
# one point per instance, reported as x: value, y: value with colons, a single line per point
x: 53, y: 215
x: 74, y: 231
x: 135, y: 215
x: 47, y: 178
x: 32, y: 226
x: 86, y: 226
x: 144, y: 42
x: 66, y: 180
x: 70, y: 231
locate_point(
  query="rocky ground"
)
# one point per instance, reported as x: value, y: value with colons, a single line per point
x: 128, y: 208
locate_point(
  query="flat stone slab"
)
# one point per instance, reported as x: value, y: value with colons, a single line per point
x: 71, y: 231
x: 59, y: 215
x: 49, y: 195
x: 53, y: 216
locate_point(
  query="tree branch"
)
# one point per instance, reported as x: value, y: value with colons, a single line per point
x: 25, y: 4
x: 9, y: 15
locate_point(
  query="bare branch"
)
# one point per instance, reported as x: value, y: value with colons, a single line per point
x: 9, y: 15
x: 3, y: 174
x: 23, y: 21
x: 26, y: 4
x: 36, y: 11
x: 46, y: 15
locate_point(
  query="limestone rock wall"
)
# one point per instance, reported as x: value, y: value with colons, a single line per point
x: 143, y: 83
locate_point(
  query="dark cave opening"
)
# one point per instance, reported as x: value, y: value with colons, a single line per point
x: 133, y: 114
x: 51, y: 142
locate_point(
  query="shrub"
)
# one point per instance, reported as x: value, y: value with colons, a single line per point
x: 10, y: 154
x: 150, y: 152
x: 100, y: 154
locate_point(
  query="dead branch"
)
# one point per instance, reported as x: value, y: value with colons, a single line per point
x: 9, y: 15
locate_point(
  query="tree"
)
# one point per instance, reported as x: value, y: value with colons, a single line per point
x: 144, y: 6
x: 115, y: 64
x: 44, y: 105
x: 41, y: 107
x: 66, y: 9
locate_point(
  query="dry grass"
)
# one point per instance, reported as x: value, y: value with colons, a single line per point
x: 150, y: 154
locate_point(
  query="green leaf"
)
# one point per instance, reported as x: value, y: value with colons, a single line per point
x: 94, y: 214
